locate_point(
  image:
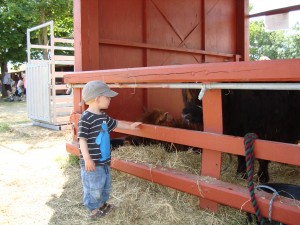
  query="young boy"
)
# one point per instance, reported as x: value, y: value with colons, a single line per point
x: 94, y: 127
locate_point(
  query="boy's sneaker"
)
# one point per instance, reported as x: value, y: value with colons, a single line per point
x: 102, y: 211
x: 97, y: 213
x: 108, y: 208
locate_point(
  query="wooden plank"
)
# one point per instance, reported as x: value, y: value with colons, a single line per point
x: 64, y: 40
x: 93, y: 35
x: 73, y: 148
x: 39, y: 61
x: 63, y: 98
x: 60, y: 74
x: 157, y: 47
x: 77, y: 99
x: 61, y: 87
x: 64, y: 62
x: 67, y: 110
x: 49, y: 47
x: 259, y: 71
x: 223, y: 143
x: 80, y: 30
x: 212, y: 122
x: 242, y: 26
x: 64, y: 58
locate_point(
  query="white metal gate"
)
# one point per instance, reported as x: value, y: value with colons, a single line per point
x: 38, y: 92
x: 47, y: 100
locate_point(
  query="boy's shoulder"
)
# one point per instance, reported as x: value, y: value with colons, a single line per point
x: 89, y: 116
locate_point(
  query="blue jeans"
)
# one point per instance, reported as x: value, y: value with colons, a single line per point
x: 96, y: 186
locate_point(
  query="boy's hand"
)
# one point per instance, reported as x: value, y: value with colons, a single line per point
x: 135, y: 125
x: 89, y: 165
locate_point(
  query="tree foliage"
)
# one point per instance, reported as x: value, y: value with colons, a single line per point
x: 16, y: 16
x: 12, y: 34
x: 274, y: 44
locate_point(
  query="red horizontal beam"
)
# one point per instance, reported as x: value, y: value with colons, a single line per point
x: 259, y: 71
x: 223, y: 143
x: 284, y: 209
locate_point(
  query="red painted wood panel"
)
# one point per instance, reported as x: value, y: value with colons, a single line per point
x: 242, y: 29
x: 120, y: 20
x: 172, y: 23
x: 220, y: 27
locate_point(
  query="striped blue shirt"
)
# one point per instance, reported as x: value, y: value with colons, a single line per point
x: 89, y: 127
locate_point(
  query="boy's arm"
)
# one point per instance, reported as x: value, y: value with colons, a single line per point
x: 126, y: 126
x: 89, y: 163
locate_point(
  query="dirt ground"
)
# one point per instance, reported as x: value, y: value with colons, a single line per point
x: 30, y: 167
x: 40, y: 183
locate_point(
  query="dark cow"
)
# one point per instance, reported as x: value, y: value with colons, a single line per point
x: 272, y: 115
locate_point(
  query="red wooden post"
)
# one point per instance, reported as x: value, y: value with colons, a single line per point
x: 211, y: 160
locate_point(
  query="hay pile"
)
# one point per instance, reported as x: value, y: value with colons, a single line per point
x: 141, y: 202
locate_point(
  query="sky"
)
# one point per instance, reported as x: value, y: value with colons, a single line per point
x: 265, y: 5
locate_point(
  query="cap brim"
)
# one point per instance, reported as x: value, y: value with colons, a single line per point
x: 110, y: 93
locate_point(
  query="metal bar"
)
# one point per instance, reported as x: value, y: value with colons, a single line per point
x: 40, y: 26
x: 210, y: 86
x: 64, y: 40
x: 28, y: 46
x: 55, y: 47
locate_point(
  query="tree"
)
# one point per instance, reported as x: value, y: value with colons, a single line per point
x: 12, y: 35
x: 16, y: 16
x: 293, y: 50
x: 275, y: 44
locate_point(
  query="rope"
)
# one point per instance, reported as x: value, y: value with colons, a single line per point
x: 249, y: 145
x: 275, y: 194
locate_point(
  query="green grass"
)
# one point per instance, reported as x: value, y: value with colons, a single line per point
x: 65, y: 162
x: 4, y: 127
x: 22, y: 121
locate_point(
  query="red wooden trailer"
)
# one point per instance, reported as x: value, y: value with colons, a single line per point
x: 149, y: 49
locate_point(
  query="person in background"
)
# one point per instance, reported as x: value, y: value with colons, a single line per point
x: 0, y: 87
x: 20, y: 88
x: 7, y: 81
x: 23, y: 74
